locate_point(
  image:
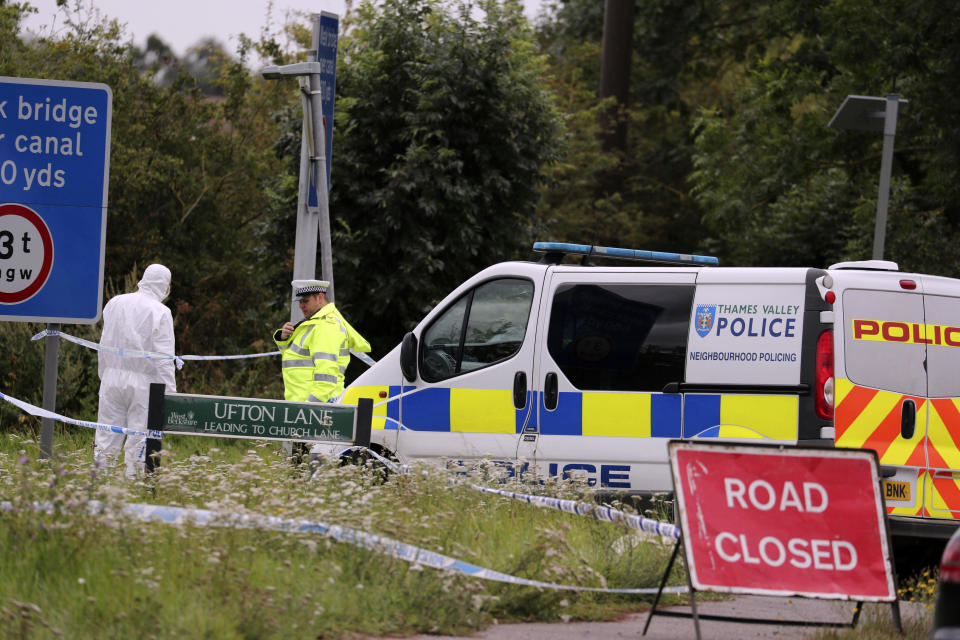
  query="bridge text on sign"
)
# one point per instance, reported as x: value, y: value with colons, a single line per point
x: 68, y: 142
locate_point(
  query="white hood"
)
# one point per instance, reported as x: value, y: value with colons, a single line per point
x: 155, y: 281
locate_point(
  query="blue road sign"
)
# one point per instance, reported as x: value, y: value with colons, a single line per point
x: 54, y: 173
x: 327, y: 57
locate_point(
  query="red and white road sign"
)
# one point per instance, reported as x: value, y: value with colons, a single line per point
x: 26, y: 253
x: 783, y: 521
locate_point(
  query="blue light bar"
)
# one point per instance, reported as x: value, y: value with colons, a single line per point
x: 625, y: 254
x: 562, y: 247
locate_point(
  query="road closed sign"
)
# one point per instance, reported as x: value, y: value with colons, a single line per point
x: 54, y: 173
x: 783, y: 521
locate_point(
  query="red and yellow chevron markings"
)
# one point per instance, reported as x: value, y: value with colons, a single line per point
x: 870, y: 419
x: 942, y: 490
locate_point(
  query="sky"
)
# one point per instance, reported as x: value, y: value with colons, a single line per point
x: 182, y: 23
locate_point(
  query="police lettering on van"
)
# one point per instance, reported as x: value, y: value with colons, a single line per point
x: 589, y: 370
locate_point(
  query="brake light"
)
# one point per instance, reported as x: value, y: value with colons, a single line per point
x: 824, y: 375
x: 950, y: 562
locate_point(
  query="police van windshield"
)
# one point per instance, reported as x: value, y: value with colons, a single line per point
x: 484, y: 326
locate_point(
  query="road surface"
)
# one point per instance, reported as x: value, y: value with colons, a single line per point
x: 670, y: 628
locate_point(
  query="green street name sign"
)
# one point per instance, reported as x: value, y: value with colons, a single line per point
x: 220, y: 416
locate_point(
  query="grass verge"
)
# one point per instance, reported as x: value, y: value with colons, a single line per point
x: 67, y: 573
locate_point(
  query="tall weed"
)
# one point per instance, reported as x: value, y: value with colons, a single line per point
x: 68, y: 572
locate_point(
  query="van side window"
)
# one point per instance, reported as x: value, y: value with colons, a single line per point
x: 620, y: 337
x: 484, y: 326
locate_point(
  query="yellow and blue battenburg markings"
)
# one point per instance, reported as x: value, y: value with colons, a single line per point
x: 741, y: 416
x: 613, y: 414
x: 463, y: 410
x: 599, y: 413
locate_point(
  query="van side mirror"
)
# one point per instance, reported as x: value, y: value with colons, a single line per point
x: 408, y: 357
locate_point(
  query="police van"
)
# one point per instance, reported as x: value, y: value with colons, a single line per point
x: 574, y: 370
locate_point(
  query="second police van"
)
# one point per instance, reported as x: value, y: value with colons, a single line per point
x: 560, y: 370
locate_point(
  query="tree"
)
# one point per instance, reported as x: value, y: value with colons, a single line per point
x: 444, y: 123
x: 683, y: 54
x: 187, y: 177
x: 780, y: 188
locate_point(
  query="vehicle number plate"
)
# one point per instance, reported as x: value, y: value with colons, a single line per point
x: 896, y: 490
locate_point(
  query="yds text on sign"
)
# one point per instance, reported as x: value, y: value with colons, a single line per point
x: 782, y: 522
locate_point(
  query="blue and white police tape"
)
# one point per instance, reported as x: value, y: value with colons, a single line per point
x: 43, y: 413
x: 178, y: 360
x: 380, y: 544
x: 119, y: 351
x: 598, y: 512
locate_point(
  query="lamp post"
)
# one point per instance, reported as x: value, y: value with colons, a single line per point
x: 869, y: 113
x: 311, y: 222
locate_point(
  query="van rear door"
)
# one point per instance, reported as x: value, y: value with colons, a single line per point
x: 942, y: 319
x: 881, y: 379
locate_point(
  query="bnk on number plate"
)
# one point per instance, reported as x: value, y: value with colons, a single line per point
x: 896, y: 490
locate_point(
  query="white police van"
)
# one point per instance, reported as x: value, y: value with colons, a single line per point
x: 559, y: 370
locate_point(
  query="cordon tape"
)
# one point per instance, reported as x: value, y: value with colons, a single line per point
x: 178, y: 360
x: 380, y: 544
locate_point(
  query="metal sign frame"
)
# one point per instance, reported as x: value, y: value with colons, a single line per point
x: 686, y: 534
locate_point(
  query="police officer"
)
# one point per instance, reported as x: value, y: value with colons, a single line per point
x: 316, y: 351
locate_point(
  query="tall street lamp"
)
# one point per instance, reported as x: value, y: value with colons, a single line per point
x: 869, y: 113
x: 310, y: 223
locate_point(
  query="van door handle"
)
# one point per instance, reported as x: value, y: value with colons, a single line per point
x: 520, y: 389
x: 908, y: 419
x: 550, y: 395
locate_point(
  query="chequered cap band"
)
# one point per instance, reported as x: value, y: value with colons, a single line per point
x: 309, y: 291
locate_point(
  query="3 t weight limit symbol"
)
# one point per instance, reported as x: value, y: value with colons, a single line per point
x: 26, y: 253
x: 6, y: 244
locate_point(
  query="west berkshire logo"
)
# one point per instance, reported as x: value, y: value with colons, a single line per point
x: 705, y: 315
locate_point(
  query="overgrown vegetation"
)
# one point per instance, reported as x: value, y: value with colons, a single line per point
x: 729, y: 152
x: 68, y: 573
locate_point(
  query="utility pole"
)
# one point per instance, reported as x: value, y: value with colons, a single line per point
x: 615, y: 69
x: 312, y: 221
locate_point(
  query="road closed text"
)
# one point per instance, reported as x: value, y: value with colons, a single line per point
x: 775, y: 551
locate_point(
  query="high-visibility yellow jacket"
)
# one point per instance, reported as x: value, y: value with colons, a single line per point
x: 316, y: 354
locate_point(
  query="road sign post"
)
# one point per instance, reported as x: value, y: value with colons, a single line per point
x: 317, y: 79
x: 54, y: 174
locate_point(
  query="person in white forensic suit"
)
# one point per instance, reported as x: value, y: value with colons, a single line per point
x: 137, y: 322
